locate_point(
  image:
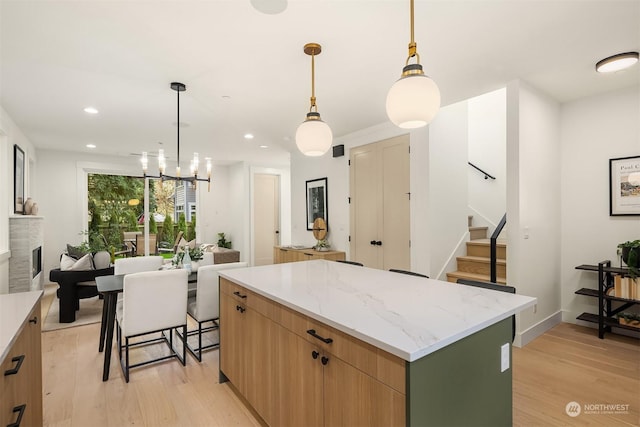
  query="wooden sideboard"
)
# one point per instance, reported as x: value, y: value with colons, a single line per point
x: 283, y: 254
x: 21, y: 360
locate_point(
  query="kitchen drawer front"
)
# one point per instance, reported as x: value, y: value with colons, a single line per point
x: 249, y: 298
x: 379, y: 364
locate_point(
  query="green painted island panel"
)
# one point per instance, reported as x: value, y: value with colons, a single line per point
x: 461, y: 384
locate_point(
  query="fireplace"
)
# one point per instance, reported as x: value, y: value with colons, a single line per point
x: 36, y: 265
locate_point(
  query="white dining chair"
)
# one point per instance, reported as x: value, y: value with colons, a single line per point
x: 137, y: 264
x: 204, y: 307
x: 154, y: 301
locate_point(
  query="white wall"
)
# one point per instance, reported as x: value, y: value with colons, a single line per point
x: 533, y: 207
x: 213, y: 211
x: 447, y: 204
x: 487, y: 150
x: 593, y: 131
x: 10, y: 134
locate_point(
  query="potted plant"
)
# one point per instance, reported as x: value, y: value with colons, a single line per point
x: 630, y: 252
x: 322, y: 245
x: 629, y: 319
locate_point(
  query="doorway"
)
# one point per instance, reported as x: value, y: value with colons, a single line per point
x: 266, y: 217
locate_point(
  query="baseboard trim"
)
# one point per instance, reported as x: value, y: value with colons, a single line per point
x: 525, y: 337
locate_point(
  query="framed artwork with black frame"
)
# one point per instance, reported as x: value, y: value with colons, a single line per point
x: 317, y: 201
x: 624, y: 186
x: 18, y: 180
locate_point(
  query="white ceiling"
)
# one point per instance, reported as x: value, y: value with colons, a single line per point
x: 245, y: 70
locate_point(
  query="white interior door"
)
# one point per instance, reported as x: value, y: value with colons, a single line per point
x: 266, y: 217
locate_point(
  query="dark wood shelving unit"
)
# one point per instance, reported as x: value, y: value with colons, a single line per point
x: 606, y: 312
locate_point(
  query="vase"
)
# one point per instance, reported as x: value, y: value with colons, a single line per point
x: 28, y: 206
x: 34, y: 209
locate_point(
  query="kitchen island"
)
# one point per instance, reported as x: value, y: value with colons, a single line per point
x: 326, y: 343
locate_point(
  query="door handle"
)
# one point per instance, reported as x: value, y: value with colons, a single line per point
x: 324, y: 360
x: 378, y: 243
x: 315, y: 354
x: 19, y: 360
x: 373, y: 242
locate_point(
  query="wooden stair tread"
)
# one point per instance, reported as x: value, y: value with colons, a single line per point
x: 487, y: 242
x: 473, y: 276
x: 499, y: 261
x: 478, y: 228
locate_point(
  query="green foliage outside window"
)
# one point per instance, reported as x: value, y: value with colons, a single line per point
x: 182, y: 223
x: 167, y: 231
x: 191, y: 229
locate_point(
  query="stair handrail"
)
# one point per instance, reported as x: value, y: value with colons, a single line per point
x: 494, y: 249
x: 486, y: 175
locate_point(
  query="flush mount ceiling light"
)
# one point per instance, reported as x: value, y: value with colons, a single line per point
x: 414, y: 99
x: 90, y: 145
x: 90, y: 110
x: 617, y: 62
x: 178, y: 87
x: 313, y: 136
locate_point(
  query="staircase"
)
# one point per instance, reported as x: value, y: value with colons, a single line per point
x: 476, y: 265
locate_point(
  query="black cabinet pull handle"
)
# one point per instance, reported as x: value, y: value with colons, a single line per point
x: 15, y: 370
x: 373, y: 242
x: 378, y: 243
x: 20, y: 410
x: 324, y: 360
x: 237, y: 293
x: 34, y: 320
x: 312, y: 332
x: 315, y: 354
x: 240, y: 309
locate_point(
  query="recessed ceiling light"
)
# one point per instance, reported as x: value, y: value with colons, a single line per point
x: 617, y: 62
x: 90, y: 146
x: 264, y: 146
x: 248, y: 136
x: 91, y: 110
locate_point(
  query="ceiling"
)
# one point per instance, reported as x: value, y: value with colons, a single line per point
x: 245, y: 70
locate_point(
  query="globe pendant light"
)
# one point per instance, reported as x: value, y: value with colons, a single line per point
x: 313, y: 136
x: 414, y: 99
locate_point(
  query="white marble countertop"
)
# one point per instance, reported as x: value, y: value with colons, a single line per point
x: 407, y: 316
x: 14, y: 309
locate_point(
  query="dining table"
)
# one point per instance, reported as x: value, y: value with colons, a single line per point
x: 110, y: 286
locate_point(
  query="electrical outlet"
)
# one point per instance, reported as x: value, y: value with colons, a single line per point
x: 504, y: 357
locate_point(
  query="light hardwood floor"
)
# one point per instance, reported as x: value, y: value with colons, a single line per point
x: 568, y: 363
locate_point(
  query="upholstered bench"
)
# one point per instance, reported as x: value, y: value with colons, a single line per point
x: 73, y: 287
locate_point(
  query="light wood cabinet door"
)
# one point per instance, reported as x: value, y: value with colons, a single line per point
x: 233, y: 346
x: 299, y: 382
x: 262, y: 351
x: 370, y: 403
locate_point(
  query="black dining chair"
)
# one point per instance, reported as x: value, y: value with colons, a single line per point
x: 494, y: 287
x: 410, y: 273
x: 359, y: 264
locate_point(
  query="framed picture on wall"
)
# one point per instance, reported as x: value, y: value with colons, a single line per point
x: 316, y: 201
x: 624, y: 186
x: 18, y: 180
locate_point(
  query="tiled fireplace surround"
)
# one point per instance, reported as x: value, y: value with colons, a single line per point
x: 26, y: 233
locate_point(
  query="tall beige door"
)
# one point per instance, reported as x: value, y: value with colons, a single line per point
x: 379, y: 178
x: 266, y: 217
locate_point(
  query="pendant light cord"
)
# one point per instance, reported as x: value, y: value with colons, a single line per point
x: 178, y: 125
x: 313, y: 83
x: 413, y: 49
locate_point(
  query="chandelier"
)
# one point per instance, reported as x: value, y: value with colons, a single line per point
x: 162, y: 161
